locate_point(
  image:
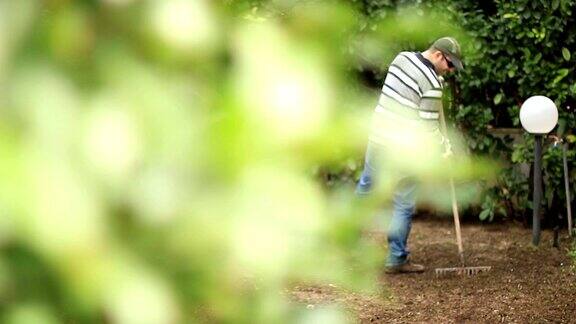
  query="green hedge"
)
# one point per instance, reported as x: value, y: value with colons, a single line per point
x: 514, y: 50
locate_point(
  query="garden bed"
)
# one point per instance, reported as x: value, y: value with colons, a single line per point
x: 526, y: 284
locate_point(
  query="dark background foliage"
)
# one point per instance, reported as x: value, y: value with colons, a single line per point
x: 514, y: 50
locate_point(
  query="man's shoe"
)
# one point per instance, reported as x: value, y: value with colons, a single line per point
x: 407, y: 267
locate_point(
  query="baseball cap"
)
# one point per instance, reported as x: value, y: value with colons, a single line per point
x: 450, y: 47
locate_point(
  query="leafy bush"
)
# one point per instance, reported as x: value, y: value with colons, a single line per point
x: 512, y: 50
x: 520, y: 49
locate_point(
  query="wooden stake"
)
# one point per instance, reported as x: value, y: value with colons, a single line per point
x: 567, y: 185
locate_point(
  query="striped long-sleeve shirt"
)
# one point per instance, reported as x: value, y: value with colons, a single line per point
x: 410, y: 101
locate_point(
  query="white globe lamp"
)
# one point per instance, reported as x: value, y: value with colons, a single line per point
x: 538, y: 115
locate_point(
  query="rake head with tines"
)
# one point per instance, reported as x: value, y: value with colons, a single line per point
x: 468, y: 271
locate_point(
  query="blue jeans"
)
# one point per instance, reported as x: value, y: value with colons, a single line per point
x: 404, y: 203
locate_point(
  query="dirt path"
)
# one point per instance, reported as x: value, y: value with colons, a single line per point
x: 526, y: 284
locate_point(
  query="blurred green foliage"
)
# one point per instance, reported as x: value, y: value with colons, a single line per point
x: 158, y: 156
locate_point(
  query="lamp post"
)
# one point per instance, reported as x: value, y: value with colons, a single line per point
x: 538, y: 116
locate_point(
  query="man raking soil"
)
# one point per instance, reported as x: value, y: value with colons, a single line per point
x: 405, y: 136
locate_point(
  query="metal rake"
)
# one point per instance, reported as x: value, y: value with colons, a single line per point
x: 463, y: 270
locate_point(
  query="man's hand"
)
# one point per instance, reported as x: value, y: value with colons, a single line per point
x: 447, y: 148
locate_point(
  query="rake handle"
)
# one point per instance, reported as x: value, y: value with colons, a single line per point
x: 567, y: 186
x: 457, y: 222
x: 444, y: 130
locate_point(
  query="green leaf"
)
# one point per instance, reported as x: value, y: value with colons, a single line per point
x: 562, y: 73
x: 498, y: 98
x: 537, y: 58
x: 511, y: 15
x: 566, y: 53
x: 502, y: 211
x: 526, y: 52
x: 516, y: 156
x: 484, y: 214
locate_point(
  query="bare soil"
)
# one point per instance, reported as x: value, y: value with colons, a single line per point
x: 527, y: 284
